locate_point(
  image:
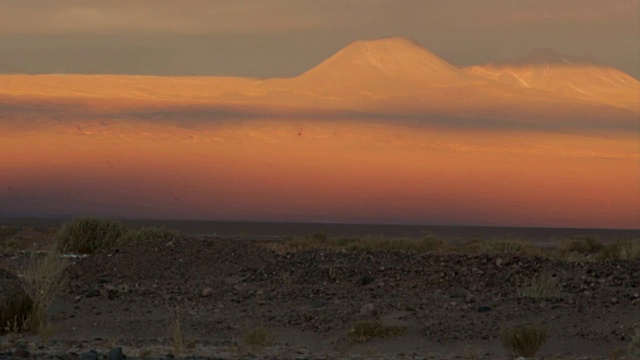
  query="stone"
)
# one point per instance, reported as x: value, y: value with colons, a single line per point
x: 93, y: 293
x: 206, y: 292
x: 368, y: 309
x: 89, y: 355
x: 365, y: 280
x: 319, y: 303
x: 483, y: 309
x: 116, y: 354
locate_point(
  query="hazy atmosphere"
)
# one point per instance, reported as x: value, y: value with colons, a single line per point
x: 412, y: 112
x: 286, y: 37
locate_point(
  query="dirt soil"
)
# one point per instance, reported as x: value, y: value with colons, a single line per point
x: 452, y: 305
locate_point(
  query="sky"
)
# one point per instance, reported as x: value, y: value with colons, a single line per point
x: 383, y: 131
x: 283, y: 38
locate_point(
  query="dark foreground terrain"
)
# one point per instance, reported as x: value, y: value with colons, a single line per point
x: 221, y: 298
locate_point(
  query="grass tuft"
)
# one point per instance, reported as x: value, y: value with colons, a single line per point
x: 583, y: 245
x: 541, y: 286
x: 523, y: 341
x: 257, y: 338
x: 89, y: 235
x: 44, y: 279
x: 15, y: 313
x: 363, y: 331
x: 177, y: 339
x: 148, y: 233
x: 624, y: 250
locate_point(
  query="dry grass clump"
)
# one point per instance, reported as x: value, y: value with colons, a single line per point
x: 583, y: 245
x: 634, y: 347
x: 623, y: 250
x: 541, y: 286
x: 175, y: 329
x: 44, y: 278
x: 15, y: 314
x: 506, y: 247
x: 367, y: 243
x: 523, y: 341
x: 148, y: 233
x: 257, y: 338
x: 363, y: 331
x: 7, y: 231
x: 89, y: 235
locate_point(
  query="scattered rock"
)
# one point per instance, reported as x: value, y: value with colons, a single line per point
x: 116, y: 354
x: 365, y: 280
x: 319, y: 303
x: 206, y: 292
x: 93, y: 293
x: 89, y: 355
x: 368, y: 309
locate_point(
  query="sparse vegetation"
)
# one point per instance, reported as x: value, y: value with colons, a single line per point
x: 15, y: 313
x: 523, y: 341
x: 634, y: 347
x: 624, y: 250
x: 583, y: 245
x: 147, y: 233
x: 506, y: 247
x: 542, y: 286
x: 257, y: 338
x: 89, y: 235
x: 177, y: 339
x: 367, y: 243
x: 363, y: 331
x: 44, y: 278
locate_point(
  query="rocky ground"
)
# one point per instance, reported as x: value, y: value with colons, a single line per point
x: 451, y: 305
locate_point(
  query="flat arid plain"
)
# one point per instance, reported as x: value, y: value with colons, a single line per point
x: 156, y: 293
x: 382, y: 131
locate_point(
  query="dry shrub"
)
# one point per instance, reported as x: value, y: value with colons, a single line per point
x: 623, y: 250
x: 362, y: 331
x: 542, y: 286
x: 44, y: 278
x: 257, y: 338
x: 583, y: 245
x: 367, y: 243
x: 523, y: 341
x: 148, y: 233
x: 177, y: 338
x: 89, y: 235
x: 506, y: 247
x: 15, y: 313
x: 634, y: 347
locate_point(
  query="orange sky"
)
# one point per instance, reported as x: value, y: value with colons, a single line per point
x: 334, y: 171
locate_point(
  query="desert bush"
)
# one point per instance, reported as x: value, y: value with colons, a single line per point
x: 89, y: 235
x: 148, y: 233
x: 634, y: 347
x: 44, y: 278
x: 7, y: 231
x: 623, y: 250
x: 257, y: 338
x: 506, y: 247
x: 362, y: 331
x: 584, y: 245
x: 523, y: 341
x: 175, y: 329
x: 15, y: 313
x: 541, y: 285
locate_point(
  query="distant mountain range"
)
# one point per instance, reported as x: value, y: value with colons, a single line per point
x: 386, y: 77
